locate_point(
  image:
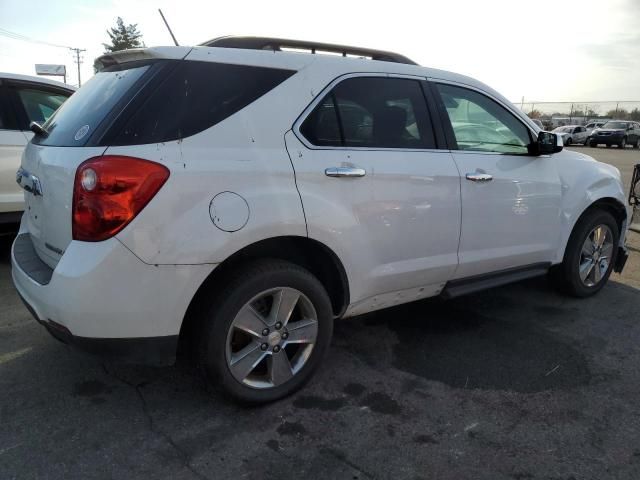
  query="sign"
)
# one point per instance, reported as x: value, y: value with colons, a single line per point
x: 55, y: 70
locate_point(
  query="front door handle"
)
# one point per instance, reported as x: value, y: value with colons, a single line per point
x: 345, y: 172
x: 479, y: 177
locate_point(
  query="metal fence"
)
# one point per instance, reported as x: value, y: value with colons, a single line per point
x: 577, y: 113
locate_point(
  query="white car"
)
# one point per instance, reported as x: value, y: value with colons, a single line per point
x: 23, y: 99
x: 241, y: 197
x: 571, y: 134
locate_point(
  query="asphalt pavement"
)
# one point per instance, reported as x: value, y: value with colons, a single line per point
x: 512, y: 383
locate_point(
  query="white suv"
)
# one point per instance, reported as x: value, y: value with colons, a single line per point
x: 240, y: 197
x: 23, y: 99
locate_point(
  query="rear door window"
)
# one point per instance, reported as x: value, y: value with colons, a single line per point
x: 372, y: 112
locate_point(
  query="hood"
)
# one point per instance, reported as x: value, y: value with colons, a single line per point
x: 608, y: 130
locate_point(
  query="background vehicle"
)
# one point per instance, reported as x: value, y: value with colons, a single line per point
x: 572, y: 134
x: 221, y: 205
x: 593, y: 125
x: 23, y: 99
x: 538, y: 123
x: 616, y: 132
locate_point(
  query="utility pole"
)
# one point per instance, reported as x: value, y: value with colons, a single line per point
x: 78, y: 60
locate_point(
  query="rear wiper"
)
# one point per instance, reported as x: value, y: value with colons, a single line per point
x: 36, y: 128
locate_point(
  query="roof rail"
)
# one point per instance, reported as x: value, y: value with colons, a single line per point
x: 279, y: 44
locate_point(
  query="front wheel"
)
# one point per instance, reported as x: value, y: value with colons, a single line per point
x: 593, y: 144
x: 637, y: 144
x: 590, y: 254
x: 623, y: 143
x: 569, y: 141
x: 266, y: 332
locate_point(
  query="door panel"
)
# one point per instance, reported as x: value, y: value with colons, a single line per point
x: 511, y: 201
x: 12, y: 143
x: 512, y: 220
x: 395, y: 228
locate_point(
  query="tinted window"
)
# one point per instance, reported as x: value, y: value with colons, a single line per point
x: 371, y: 112
x: 321, y: 127
x: 482, y: 124
x: 89, y: 106
x: 192, y: 97
x: 40, y: 105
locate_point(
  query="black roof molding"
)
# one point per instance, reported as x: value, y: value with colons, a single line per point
x: 278, y: 44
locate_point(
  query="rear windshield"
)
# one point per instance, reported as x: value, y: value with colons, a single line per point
x: 81, y: 115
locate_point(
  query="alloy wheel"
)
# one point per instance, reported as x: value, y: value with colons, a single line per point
x: 271, y: 338
x: 596, y: 255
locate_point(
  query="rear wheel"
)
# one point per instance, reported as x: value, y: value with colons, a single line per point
x: 590, y: 254
x: 569, y: 141
x: 266, y: 332
x: 593, y: 144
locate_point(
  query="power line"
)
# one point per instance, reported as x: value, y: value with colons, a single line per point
x: 17, y: 36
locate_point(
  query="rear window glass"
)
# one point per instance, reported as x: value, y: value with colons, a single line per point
x: 192, y: 97
x: 81, y: 115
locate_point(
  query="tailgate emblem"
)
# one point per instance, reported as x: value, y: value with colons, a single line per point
x: 28, y: 182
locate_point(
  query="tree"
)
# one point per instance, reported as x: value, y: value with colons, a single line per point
x: 635, y: 114
x: 535, y: 114
x: 619, y: 113
x: 123, y: 37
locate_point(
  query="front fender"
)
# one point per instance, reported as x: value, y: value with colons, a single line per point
x: 585, y: 181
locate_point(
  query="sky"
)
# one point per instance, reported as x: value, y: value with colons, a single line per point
x: 542, y: 50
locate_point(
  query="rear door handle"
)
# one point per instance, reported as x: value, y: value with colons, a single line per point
x: 345, y: 172
x: 479, y: 177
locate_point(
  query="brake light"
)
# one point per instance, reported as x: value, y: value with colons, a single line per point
x: 109, y: 191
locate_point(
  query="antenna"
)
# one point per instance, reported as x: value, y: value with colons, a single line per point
x: 168, y: 28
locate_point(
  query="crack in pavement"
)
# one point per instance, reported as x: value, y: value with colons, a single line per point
x: 165, y: 436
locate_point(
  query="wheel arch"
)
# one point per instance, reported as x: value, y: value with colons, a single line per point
x: 609, y: 204
x: 310, y: 254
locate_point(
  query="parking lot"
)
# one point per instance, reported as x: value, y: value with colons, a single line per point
x: 516, y: 383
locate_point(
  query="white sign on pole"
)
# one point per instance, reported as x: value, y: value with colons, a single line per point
x: 46, y: 69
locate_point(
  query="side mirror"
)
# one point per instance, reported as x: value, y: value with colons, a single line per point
x: 546, y: 144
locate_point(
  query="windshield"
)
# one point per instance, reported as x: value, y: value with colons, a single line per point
x: 616, y: 125
x: 563, y: 129
x: 75, y: 121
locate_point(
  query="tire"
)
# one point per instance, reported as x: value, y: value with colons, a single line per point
x: 247, y: 299
x: 637, y: 144
x: 593, y: 144
x: 567, y: 275
x: 608, y: 145
x: 623, y: 143
x: 569, y: 141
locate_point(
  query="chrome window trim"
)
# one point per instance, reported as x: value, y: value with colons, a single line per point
x: 307, y: 111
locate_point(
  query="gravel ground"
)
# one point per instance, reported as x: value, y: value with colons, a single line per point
x: 513, y: 383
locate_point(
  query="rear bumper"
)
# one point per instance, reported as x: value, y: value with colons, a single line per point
x: 102, y: 298
x: 156, y: 351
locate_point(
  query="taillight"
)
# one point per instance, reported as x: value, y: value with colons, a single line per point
x: 109, y: 191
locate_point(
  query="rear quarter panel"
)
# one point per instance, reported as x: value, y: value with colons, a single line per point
x: 244, y: 154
